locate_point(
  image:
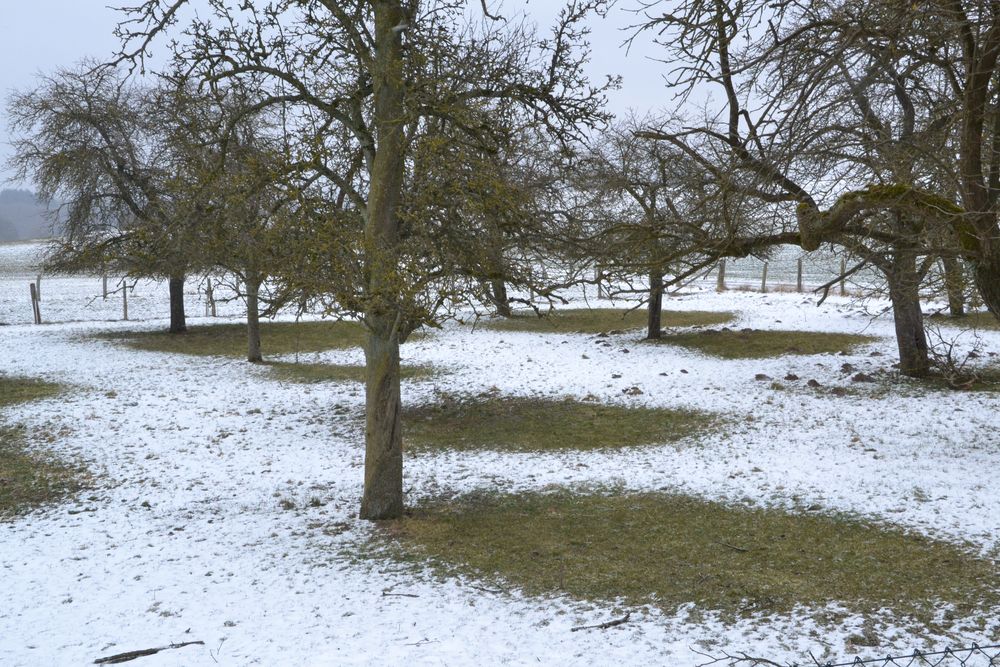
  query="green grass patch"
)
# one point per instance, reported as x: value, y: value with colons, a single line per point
x: 312, y: 373
x: 670, y: 550
x: 598, y: 320
x: 29, y: 479
x: 230, y: 340
x: 537, y: 425
x: 757, y: 344
x: 19, y: 390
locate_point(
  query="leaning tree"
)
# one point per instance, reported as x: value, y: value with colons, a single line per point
x: 856, y: 124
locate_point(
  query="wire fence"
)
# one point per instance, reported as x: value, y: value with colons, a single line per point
x: 972, y: 656
x: 790, y: 270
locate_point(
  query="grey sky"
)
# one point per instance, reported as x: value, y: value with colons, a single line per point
x: 42, y: 35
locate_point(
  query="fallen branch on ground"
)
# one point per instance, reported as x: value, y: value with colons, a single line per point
x: 133, y: 655
x: 605, y: 625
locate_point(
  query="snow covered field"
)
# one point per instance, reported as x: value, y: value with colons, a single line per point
x: 185, y: 538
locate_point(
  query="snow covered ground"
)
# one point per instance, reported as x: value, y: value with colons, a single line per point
x: 186, y: 536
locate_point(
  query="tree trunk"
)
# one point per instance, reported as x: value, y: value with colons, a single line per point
x: 498, y: 293
x: 653, y: 319
x: 987, y: 272
x: 904, y: 285
x: 178, y: 322
x: 954, y: 284
x: 383, y: 492
x: 252, y: 283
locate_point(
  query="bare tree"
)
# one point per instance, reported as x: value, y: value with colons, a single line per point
x: 377, y: 73
x: 99, y: 145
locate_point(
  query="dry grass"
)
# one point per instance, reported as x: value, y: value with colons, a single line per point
x: 670, y: 550
x: 28, y: 479
x: 19, y: 390
x: 230, y: 340
x: 598, y: 320
x: 312, y: 373
x: 976, y: 320
x: 534, y: 424
x: 757, y: 344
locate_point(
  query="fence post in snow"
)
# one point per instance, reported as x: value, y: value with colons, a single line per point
x: 798, y: 279
x: 763, y: 279
x: 38, y: 287
x: 124, y: 301
x: 843, y: 270
x: 104, y: 286
x: 720, y: 284
x: 35, y: 310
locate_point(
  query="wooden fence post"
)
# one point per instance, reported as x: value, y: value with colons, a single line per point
x: 763, y: 279
x: 720, y: 284
x: 104, y: 286
x: 843, y: 270
x: 798, y: 279
x: 35, y: 310
x: 38, y: 288
x: 124, y: 301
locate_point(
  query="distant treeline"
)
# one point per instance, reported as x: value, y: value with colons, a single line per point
x: 22, y: 216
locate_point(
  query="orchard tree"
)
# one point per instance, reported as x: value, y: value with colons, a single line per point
x: 842, y: 119
x: 103, y: 147
x: 381, y: 74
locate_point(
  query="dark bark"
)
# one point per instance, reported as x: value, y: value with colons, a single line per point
x: 987, y: 274
x: 383, y: 492
x: 253, y: 319
x: 911, y: 340
x: 178, y: 321
x: 954, y: 285
x: 654, y: 314
x: 498, y: 294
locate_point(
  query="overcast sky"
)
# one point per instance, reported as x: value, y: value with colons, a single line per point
x: 42, y: 35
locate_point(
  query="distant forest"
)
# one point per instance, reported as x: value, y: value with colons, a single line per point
x: 22, y: 216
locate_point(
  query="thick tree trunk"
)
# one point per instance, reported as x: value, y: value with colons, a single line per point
x: 253, y: 319
x: 498, y: 293
x: 954, y: 285
x: 178, y: 321
x: 654, y: 313
x: 904, y: 285
x: 383, y: 492
x: 383, y: 495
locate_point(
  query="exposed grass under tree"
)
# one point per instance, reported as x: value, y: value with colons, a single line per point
x: 230, y: 340
x: 534, y: 424
x: 758, y: 344
x: 670, y: 550
x: 976, y: 320
x: 312, y: 373
x: 598, y: 320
